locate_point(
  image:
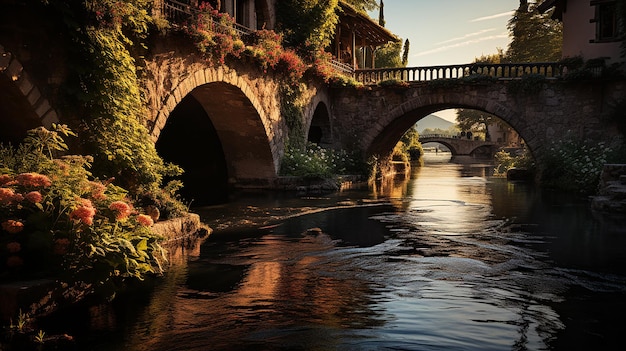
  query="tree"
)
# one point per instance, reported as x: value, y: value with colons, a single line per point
x: 492, y: 59
x: 475, y: 121
x: 362, y: 5
x: 381, y: 14
x: 307, y: 22
x: 405, y: 53
x: 535, y: 36
x: 388, y: 56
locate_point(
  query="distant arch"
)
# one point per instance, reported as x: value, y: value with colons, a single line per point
x: 386, y: 133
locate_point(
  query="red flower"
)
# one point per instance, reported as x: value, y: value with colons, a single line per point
x: 12, y: 226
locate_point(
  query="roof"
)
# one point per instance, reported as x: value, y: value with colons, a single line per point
x: 364, y: 26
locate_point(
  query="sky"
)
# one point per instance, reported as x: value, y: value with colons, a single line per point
x: 447, y: 32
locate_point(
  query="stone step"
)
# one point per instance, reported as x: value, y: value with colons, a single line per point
x: 622, y: 179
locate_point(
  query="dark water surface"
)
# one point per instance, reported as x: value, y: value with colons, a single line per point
x: 451, y: 259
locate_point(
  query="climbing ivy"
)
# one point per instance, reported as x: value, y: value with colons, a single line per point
x: 104, y: 90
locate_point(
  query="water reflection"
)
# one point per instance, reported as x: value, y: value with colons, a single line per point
x: 450, y: 260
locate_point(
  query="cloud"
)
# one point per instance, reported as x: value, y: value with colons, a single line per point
x: 462, y: 44
x: 466, y: 36
x: 503, y: 14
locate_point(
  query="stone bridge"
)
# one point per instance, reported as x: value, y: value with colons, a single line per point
x: 459, y: 146
x: 373, y: 119
x: 223, y: 124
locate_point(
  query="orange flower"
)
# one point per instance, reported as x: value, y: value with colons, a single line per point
x: 97, y: 190
x: 6, y: 195
x: 123, y: 209
x: 33, y: 180
x: 84, y: 212
x: 5, y: 178
x: 145, y: 220
x: 12, y: 226
x: 14, y: 247
x: 34, y: 197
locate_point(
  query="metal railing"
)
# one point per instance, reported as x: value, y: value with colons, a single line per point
x: 179, y: 13
x: 421, y: 74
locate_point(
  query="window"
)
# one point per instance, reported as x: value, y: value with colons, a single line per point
x: 607, y: 27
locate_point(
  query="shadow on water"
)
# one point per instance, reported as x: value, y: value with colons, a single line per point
x: 449, y: 258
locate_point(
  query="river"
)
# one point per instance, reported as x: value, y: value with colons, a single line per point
x: 450, y: 259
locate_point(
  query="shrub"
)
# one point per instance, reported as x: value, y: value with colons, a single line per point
x: 59, y: 221
x: 318, y: 162
x: 574, y: 165
x: 505, y: 161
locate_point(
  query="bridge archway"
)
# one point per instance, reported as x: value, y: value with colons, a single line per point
x: 320, y: 128
x: 391, y: 127
x: 218, y: 132
x: 22, y: 105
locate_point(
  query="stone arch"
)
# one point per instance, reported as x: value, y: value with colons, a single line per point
x: 320, y: 130
x: 402, y: 116
x: 252, y: 141
x: 22, y: 105
x: 317, y: 118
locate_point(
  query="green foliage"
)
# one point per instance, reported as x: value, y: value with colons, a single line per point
x: 411, y: 144
x: 317, y: 162
x: 57, y: 220
x: 535, y: 36
x: 362, y: 5
x: 505, y: 161
x: 394, y: 82
x: 474, y: 121
x: 104, y: 89
x: 307, y: 24
x: 574, y: 165
x: 390, y: 55
x: 528, y: 84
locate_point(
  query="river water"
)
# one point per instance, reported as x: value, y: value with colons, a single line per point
x: 450, y: 259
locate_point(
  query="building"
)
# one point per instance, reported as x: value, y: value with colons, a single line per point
x: 591, y: 28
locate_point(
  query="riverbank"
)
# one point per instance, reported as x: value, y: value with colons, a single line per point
x: 35, y: 297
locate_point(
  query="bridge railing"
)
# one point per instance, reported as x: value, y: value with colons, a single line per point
x: 180, y: 12
x: 421, y: 74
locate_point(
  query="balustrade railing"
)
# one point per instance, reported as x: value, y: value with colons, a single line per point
x: 421, y: 74
x: 342, y: 67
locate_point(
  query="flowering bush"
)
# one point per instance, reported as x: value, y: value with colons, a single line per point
x: 317, y: 162
x: 574, y: 165
x: 56, y: 221
x: 215, y: 34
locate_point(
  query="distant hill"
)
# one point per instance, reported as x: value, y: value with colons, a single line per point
x: 432, y: 122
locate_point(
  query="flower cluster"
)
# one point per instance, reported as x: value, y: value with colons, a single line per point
x: 317, y: 162
x: 68, y: 225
